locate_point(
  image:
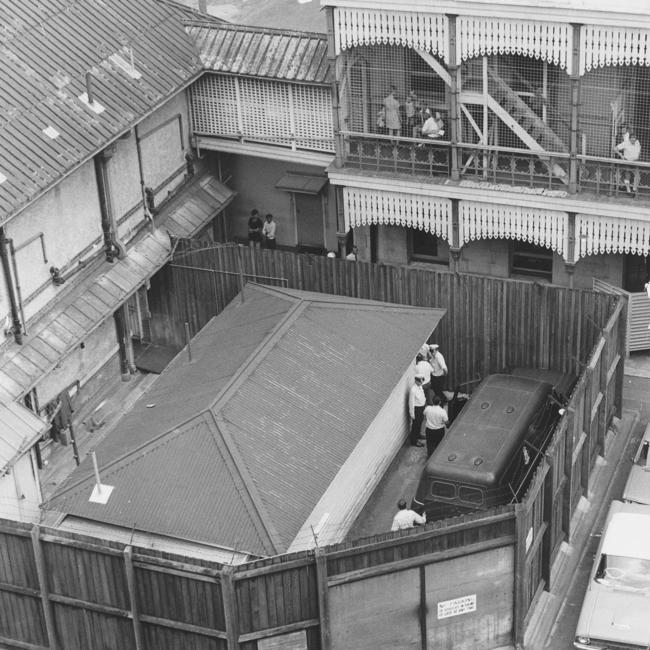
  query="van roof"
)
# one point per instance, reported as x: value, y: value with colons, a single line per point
x: 628, y: 533
x: 480, y: 442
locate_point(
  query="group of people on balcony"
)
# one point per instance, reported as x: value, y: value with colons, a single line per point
x: 410, y: 120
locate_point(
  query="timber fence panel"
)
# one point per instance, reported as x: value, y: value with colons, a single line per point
x: 21, y: 608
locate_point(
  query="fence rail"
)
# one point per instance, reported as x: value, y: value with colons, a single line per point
x: 460, y: 579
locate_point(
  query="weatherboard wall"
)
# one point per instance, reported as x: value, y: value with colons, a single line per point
x: 358, y: 477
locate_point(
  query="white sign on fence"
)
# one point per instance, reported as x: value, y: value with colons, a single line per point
x: 457, y: 606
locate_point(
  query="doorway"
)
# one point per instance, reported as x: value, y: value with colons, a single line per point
x: 636, y: 269
x: 309, y: 221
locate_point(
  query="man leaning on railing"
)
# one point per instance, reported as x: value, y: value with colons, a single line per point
x: 630, y: 150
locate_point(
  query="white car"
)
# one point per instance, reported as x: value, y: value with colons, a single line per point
x: 616, y: 609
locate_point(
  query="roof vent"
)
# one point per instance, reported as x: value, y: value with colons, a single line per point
x: 88, y: 97
x: 123, y: 59
x: 3, y: 178
x: 51, y: 132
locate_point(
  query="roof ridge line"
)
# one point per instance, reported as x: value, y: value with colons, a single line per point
x: 248, y: 365
x: 203, y: 23
x: 246, y: 478
x: 126, y: 455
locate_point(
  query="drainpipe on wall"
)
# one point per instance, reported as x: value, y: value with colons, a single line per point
x: 15, y: 318
x: 112, y: 245
x: 146, y: 192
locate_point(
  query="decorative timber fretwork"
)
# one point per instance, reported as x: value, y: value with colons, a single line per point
x: 601, y: 45
x: 599, y: 235
x: 427, y: 32
x: 480, y: 36
x: 363, y: 207
x: 548, y: 228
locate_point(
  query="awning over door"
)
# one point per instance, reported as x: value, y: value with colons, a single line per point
x: 301, y: 183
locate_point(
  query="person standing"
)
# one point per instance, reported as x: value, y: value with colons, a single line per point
x: 423, y: 367
x: 255, y: 226
x: 436, y: 419
x: 406, y: 518
x: 437, y: 361
x: 417, y: 401
x: 391, y: 112
x: 630, y: 150
x: 268, y: 231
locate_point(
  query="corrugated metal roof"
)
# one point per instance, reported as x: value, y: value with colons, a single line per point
x: 293, y: 380
x: 20, y: 429
x: 105, y: 287
x: 262, y: 52
x: 47, y: 49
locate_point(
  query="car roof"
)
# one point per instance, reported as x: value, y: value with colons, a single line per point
x: 628, y: 532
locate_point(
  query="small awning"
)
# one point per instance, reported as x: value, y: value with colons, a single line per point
x: 20, y: 430
x: 195, y: 206
x: 301, y: 183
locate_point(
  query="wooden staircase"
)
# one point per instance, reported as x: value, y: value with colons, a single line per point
x: 530, y: 122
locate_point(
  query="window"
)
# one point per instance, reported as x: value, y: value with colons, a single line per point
x: 471, y: 495
x: 443, y: 490
x: 425, y: 247
x: 529, y: 259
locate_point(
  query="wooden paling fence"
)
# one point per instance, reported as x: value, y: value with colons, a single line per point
x: 491, y: 324
x: 465, y: 582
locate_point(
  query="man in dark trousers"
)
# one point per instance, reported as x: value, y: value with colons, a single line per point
x: 439, y: 366
x: 268, y: 230
x: 417, y: 402
x: 436, y: 419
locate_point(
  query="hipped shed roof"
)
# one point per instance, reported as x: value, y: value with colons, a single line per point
x: 236, y: 446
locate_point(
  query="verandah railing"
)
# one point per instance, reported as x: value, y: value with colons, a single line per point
x: 499, y: 165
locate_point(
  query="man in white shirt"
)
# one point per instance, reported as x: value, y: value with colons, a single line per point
x: 630, y: 149
x: 268, y: 231
x: 423, y: 367
x: 437, y: 361
x: 417, y: 401
x: 406, y: 518
x: 436, y: 418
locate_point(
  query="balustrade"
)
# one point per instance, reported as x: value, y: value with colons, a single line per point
x: 496, y: 167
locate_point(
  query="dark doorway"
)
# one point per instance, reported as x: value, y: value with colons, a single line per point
x: 309, y: 217
x: 635, y: 271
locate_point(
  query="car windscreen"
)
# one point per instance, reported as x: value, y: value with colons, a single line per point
x: 624, y: 572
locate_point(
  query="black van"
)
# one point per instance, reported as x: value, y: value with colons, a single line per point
x: 482, y: 460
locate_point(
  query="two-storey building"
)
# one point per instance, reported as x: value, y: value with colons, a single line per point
x: 533, y: 172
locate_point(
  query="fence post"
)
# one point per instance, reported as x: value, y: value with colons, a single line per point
x: 520, y: 605
x: 229, y: 599
x: 323, y: 599
x: 133, y: 596
x: 567, y: 507
x: 41, y: 571
x: 621, y: 344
